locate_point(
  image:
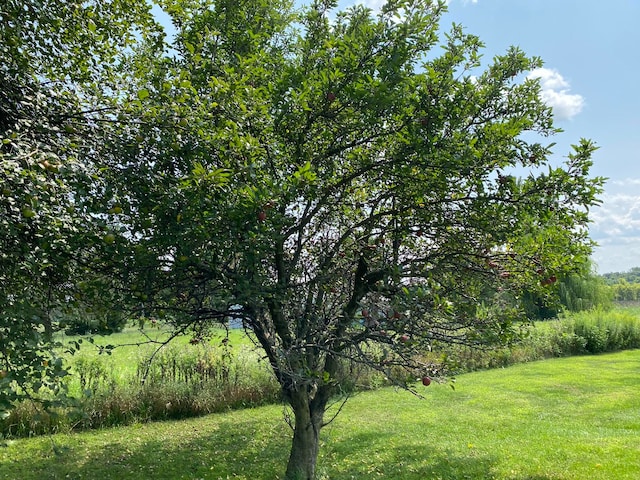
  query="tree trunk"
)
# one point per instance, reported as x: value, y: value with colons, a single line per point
x: 305, y: 444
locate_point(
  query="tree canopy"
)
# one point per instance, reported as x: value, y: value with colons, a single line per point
x: 350, y: 193
x: 55, y: 61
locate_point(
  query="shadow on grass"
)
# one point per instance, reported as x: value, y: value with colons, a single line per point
x: 233, y: 449
x: 241, y: 449
x: 371, y: 455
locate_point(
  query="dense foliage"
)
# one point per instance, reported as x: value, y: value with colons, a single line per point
x: 55, y: 64
x: 625, y: 286
x: 326, y: 178
x: 577, y: 291
x: 624, y: 291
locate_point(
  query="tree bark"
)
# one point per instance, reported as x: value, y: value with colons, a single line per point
x: 306, y: 434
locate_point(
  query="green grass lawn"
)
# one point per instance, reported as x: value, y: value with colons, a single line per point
x: 572, y: 418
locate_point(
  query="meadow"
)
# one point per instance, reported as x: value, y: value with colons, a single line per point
x: 186, y: 379
x: 575, y: 418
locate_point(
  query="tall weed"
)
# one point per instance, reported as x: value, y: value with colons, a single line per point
x: 189, y: 380
x: 606, y: 331
x: 178, y: 381
x: 590, y: 331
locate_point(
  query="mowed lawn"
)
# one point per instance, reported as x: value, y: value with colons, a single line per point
x: 572, y: 418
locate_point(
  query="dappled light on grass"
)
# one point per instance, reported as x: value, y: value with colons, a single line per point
x: 563, y: 419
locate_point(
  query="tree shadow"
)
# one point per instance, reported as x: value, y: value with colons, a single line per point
x: 402, y: 458
x: 244, y: 449
x: 234, y: 449
x: 393, y: 459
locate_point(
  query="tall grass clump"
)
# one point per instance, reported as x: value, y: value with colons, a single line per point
x: 606, y: 331
x: 578, y: 333
x: 177, y: 381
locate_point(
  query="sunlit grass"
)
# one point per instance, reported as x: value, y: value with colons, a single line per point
x: 569, y: 419
x: 133, y: 344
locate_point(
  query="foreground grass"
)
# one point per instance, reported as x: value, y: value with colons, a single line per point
x: 563, y: 419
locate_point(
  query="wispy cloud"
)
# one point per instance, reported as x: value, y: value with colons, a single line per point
x: 375, y: 5
x: 556, y: 93
x: 619, y: 214
x: 616, y: 228
x: 625, y: 182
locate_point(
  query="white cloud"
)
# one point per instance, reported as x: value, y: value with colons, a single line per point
x: 375, y: 5
x: 616, y: 228
x: 555, y: 93
x: 619, y: 214
x: 625, y: 182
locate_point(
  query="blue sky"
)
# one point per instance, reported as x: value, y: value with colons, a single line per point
x: 591, y: 51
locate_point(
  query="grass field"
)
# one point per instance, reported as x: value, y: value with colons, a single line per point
x: 571, y: 419
x: 132, y: 346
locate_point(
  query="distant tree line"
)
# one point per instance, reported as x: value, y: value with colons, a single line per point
x: 613, y: 278
x: 625, y: 286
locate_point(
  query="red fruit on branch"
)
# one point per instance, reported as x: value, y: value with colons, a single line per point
x: 426, y: 381
x: 262, y: 216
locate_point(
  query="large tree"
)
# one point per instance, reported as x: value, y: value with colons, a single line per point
x: 58, y: 60
x: 350, y: 193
